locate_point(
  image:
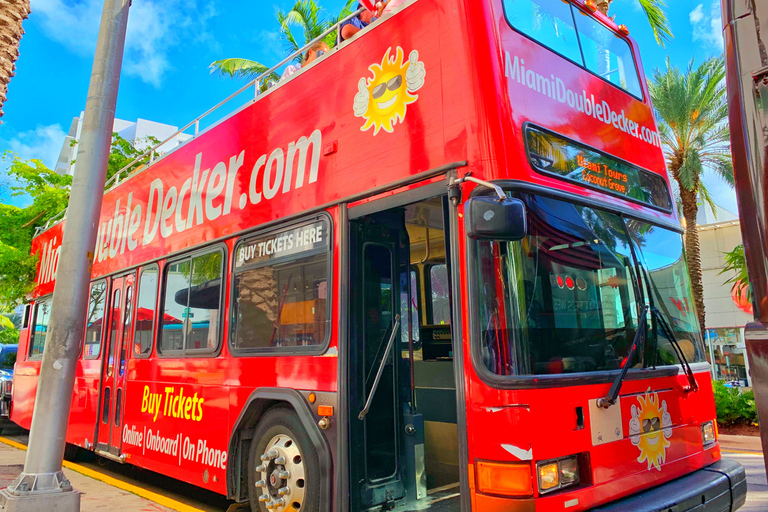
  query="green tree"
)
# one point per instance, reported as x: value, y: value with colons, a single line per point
x: 654, y: 11
x: 8, y: 331
x: 49, y: 194
x: 694, y: 133
x: 307, y: 16
x: 123, y: 152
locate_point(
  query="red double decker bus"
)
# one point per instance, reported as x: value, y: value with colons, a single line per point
x: 437, y: 269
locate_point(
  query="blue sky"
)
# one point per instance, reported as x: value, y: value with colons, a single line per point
x: 170, y: 44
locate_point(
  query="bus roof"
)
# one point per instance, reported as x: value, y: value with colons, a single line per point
x: 346, y: 126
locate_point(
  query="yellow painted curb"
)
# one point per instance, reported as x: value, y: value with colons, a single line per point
x: 114, y: 482
x: 740, y: 451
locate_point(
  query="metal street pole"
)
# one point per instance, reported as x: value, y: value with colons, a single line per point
x: 42, y: 486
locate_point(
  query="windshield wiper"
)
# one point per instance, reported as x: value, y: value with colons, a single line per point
x: 667, y: 329
x: 613, y: 394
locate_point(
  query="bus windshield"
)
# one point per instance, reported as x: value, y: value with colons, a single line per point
x: 569, y: 31
x: 565, y: 298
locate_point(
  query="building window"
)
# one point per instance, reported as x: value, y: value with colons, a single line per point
x: 281, y: 289
x: 94, y: 325
x: 192, y: 307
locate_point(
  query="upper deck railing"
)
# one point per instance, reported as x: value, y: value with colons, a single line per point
x: 130, y: 169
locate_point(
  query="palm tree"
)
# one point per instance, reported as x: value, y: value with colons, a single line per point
x: 654, y: 11
x: 305, y: 15
x: 12, y: 14
x: 694, y: 133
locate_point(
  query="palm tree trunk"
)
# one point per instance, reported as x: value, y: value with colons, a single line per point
x: 12, y: 14
x: 693, y: 250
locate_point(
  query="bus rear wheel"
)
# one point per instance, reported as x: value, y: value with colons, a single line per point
x: 283, y: 466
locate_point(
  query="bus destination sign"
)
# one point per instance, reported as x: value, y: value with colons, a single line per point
x: 555, y: 155
x: 599, y: 174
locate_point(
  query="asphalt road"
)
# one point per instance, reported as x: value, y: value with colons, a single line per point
x: 757, y: 485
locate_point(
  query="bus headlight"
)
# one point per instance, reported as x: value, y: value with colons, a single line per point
x: 556, y: 474
x: 549, y: 476
x: 708, y: 432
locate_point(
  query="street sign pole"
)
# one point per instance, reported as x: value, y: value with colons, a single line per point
x: 42, y: 485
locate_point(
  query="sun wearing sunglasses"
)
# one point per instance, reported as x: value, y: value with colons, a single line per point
x: 392, y: 84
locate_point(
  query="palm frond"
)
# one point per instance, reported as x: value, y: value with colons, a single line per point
x: 692, y: 109
x: 237, y: 68
x: 706, y: 198
x: 657, y: 18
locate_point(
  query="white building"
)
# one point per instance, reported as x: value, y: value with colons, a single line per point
x: 137, y: 131
x: 726, y: 316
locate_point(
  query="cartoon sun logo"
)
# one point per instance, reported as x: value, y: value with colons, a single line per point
x: 650, y: 428
x: 383, y: 99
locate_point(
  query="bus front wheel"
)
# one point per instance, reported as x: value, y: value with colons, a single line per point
x: 283, y: 466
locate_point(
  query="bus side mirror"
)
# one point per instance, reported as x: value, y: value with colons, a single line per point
x: 491, y: 218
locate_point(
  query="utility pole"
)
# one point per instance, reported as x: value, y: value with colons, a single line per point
x: 42, y: 486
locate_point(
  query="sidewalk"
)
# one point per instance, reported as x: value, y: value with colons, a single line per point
x: 741, y: 443
x: 96, y: 495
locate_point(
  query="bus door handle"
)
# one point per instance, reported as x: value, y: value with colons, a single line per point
x: 376, y: 381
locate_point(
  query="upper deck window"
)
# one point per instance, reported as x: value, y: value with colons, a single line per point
x: 578, y: 37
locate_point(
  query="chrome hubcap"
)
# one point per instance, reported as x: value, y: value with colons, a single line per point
x: 281, y: 480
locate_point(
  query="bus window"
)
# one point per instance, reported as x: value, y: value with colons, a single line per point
x: 176, y: 281
x: 413, y: 296
x: 548, y: 22
x: 126, y: 327
x: 202, y: 330
x: 440, y: 308
x: 27, y: 314
x: 607, y: 55
x: 95, y: 321
x: 113, y: 326
x: 560, y: 300
x: 190, y: 319
x: 145, y: 312
x: 42, y: 316
x: 577, y: 36
x: 281, y: 290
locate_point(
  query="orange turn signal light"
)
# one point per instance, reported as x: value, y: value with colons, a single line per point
x: 624, y: 30
x: 591, y: 5
x: 325, y: 410
x: 508, y: 479
x: 312, y: 398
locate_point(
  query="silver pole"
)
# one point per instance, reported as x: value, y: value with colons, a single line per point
x: 42, y: 486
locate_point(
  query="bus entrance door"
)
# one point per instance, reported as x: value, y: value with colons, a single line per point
x: 114, y: 366
x: 376, y: 398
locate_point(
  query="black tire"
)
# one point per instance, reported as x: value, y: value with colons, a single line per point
x: 282, y: 420
x: 71, y: 453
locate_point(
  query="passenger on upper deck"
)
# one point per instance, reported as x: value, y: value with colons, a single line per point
x: 315, y: 51
x: 352, y: 26
x: 390, y: 6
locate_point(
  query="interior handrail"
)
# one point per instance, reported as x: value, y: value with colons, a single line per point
x: 376, y: 381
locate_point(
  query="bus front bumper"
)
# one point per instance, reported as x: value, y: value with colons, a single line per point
x: 721, y: 487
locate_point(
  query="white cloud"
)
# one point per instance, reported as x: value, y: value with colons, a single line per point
x: 707, y: 28
x: 697, y: 14
x: 154, y: 28
x: 43, y: 143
